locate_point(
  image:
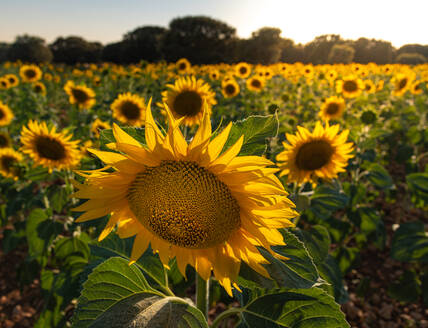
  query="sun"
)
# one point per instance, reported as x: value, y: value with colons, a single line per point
x: 208, y: 209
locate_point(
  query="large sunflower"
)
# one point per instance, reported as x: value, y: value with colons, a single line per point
x: 190, y: 201
x: 323, y: 153
x: 350, y: 86
x: 230, y: 88
x: 30, y: 73
x: 332, y: 108
x: 187, y: 98
x: 98, y: 126
x: 242, y: 70
x: 8, y: 159
x: 81, y: 95
x: 6, y: 115
x: 129, y: 109
x: 49, y: 148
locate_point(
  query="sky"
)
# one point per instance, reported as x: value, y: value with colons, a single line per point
x: 400, y: 22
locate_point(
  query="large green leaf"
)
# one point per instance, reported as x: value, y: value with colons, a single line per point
x: 117, y: 295
x: 293, y: 308
x: 149, y: 263
x: 41, y: 231
x: 406, y: 289
x: 410, y: 243
x: 326, y: 200
x: 418, y: 183
x: 378, y: 176
x: 297, y: 272
x: 256, y: 129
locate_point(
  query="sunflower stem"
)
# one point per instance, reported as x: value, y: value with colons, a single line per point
x: 202, y: 294
x: 224, y: 315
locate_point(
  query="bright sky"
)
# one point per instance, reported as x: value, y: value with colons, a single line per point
x: 397, y: 21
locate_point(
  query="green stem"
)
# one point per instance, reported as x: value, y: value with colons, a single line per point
x: 224, y: 315
x: 202, y: 294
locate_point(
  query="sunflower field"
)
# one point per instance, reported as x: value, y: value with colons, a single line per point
x: 173, y: 195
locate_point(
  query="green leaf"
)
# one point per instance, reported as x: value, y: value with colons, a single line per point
x: 372, y: 226
x: 149, y: 263
x: 317, y: 241
x: 297, y: 272
x: 256, y: 129
x: 347, y: 258
x: 378, y: 176
x: 73, y: 253
x: 410, y: 243
x: 117, y: 295
x: 406, y: 289
x: 293, y: 308
x: 418, y: 183
x: 41, y: 231
x: 424, y: 287
x: 328, y: 199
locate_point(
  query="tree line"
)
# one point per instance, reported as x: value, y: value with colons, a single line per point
x: 204, y: 40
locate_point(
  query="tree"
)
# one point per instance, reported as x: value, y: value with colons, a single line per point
x: 263, y: 47
x: 74, y: 49
x: 4, y: 48
x: 341, y: 53
x: 410, y: 58
x: 113, y: 52
x: 143, y: 43
x: 371, y: 50
x: 318, y: 50
x: 413, y: 48
x: 200, y: 39
x: 30, y: 49
x: 290, y: 52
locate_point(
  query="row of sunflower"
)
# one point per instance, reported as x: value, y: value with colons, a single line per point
x: 191, y: 204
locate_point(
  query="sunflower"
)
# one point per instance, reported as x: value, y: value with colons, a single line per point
x: 323, y: 154
x: 214, y: 74
x: 12, y: 79
x: 401, y: 83
x: 39, y: 88
x: 255, y: 83
x: 350, y: 86
x: 49, y: 148
x: 6, y: 115
x: 379, y: 85
x: 230, y: 89
x: 99, y: 125
x: 332, y: 108
x: 416, y: 87
x: 242, y: 70
x: 129, y: 109
x: 183, y: 66
x: 81, y: 95
x: 187, y: 97
x: 189, y: 201
x: 8, y: 159
x: 369, y: 86
x: 4, y: 83
x: 30, y: 73
x: 5, y: 141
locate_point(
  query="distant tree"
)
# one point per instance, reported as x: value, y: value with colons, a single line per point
x: 413, y: 48
x: 30, y: 49
x: 113, y: 52
x: 263, y: 47
x: 341, y: 53
x: 4, y: 48
x: 318, y: 50
x: 411, y: 58
x: 74, y: 49
x: 371, y: 50
x: 143, y: 43
x: 290, y: 52
x: 200, y: 39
